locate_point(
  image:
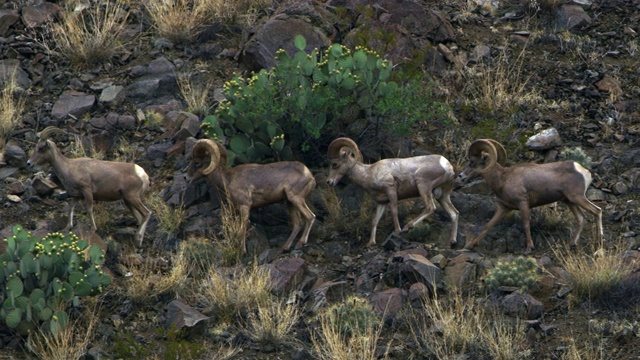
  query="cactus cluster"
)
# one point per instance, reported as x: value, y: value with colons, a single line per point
x: 521, y: 272
x: 41, y: 277
x: 355, y: 316
x: 282, y: 109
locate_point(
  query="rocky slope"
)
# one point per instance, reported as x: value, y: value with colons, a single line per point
x: 578, y: 66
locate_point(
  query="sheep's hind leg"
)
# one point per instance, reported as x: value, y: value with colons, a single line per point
x: 454, y: 214
x: 296, y: 221
x: 430, y: 207
x: 501, y: 212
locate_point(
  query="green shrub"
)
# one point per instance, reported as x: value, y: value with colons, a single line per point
x: 275, y: 112
x: 578, y: 155
x: 42, y: 277
x: 521, y: 272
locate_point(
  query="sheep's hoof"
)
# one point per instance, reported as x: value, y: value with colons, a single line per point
x: 527, y: 251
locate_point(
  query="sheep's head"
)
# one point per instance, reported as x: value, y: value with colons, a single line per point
x: 44, y: 152
x: 208, y: 155
x: 343, y: 154
x: 484, y: 156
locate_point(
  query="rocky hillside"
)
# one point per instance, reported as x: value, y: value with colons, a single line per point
x: 548, y: 79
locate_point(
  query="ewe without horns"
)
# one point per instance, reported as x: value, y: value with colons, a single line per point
x: 525, y: 186
x: 95, y: 180
x: 255, y: 185
x: 390, y: 180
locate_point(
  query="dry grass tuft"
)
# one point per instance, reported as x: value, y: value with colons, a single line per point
x: 341, y: 220
x: 196, y: 93
x: 459, y: 324
x: 70, y: 342
x: 178, y: 21
x: 12, y: 105
x: 233, y: 245
x: 272, y: 322
x: 592, y: 276
x: 233, y: 295
x: 89, y: 36
x: 148, y: 280
x: 239, y: 11
x: 502, y: 83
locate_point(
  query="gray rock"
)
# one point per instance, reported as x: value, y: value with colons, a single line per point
x: 521, y: 305
x: 112, y: 95
x: 182, y: 316
x: 571, y: 17
x: 14, y: 155
x: 544, y: 140
x: 287, y: 274
x: 389, y: 302
x: 72, y: 103
x: 278, y: 33
x: 38, y: 14
x: 8, y: 17
x: 12, y: 67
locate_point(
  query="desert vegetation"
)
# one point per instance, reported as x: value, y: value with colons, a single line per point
x: 68, y: 296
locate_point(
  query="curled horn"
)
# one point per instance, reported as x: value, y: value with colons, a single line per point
x: 205, y: 146
x: 339, y: 143
x: 478, y: 147
x: 48, y: 131
x: 502, y: 153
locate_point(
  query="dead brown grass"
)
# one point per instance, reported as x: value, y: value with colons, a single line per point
x: 12, y: 105
x: 89, y: 36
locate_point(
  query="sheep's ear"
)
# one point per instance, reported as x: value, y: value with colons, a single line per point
x: 43, y: 146
x: 345, y: 152
x: 484, y: 159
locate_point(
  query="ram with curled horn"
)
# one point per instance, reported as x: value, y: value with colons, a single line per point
x: 525, y: 186
x: 95, y: 180
x: 391, y: 180
x: 249, y: 186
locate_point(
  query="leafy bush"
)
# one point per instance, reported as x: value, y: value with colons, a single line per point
x: 522, y: 272
x: 578, y: 155
x: 287, y: 108
x: 41, y: 277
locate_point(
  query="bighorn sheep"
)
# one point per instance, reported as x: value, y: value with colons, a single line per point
x: 255, y: 185
x: 390, y: 180
x: 525, y: 186
x: 95, y: 180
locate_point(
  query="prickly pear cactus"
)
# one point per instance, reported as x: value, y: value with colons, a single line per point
x: 42, y: 277
x: 521, y: 272
x: 287, y: 107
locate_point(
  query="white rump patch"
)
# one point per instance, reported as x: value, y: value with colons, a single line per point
x: 446, y: 165
x: 142, y: 175
x: 586, y: 175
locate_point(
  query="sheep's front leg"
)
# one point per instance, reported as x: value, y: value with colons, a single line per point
x: 379, y: 212
x: 72, y: 208
x: 501, y: 212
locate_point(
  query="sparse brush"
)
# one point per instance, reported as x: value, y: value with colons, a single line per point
x: 238, y: 11
x: 233, y: 295
x: 169, y: 218
x: 195, y: 93
x: 233, y: 245
x: 89, y: 36
x: 340, y: 219
x: 272, y: 322
x: 200, y: 254
x: 350, y: 330
x: 149, y: 280
x: 501, y: 83
x: 179, y: 21
x: 593, y: 276
x: 153, y: 119
x: 12, y: 105
x: 460, y: 325
x: 521, y: 272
